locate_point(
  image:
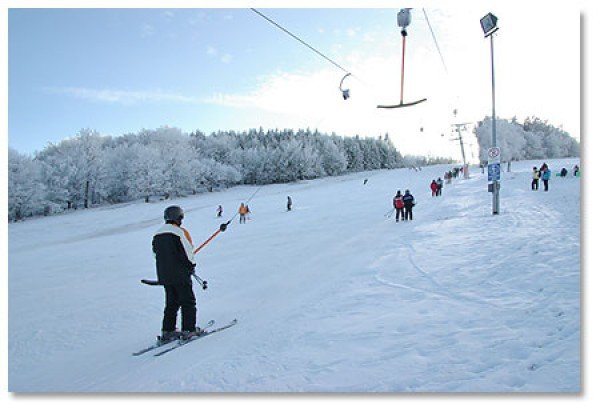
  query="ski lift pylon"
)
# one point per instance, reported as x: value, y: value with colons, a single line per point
x: 404, y: 19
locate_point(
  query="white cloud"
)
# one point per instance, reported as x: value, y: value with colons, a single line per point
x: 147, y: 30
x: 226, y: 58
x: 125, y: 97
x: 197, y: 18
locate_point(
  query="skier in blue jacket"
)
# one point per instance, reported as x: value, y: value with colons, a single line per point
x: 409, y: 202
x: 546, y: 173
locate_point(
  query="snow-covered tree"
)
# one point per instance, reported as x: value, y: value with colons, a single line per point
x: 535, y: 139
x: 25, y: 189
x: 89, y: 169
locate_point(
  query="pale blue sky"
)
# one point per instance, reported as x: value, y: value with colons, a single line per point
x: 121, y: 70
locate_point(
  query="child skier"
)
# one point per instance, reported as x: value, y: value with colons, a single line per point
x: 535, y: 183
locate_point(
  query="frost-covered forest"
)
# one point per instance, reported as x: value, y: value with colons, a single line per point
x: 90, y: 169
x: 532, y: 139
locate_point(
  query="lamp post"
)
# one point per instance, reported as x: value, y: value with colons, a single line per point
x: 489, y: 27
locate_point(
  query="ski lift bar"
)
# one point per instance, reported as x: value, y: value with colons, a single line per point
x: 403, y: 21
x: 402, y: 104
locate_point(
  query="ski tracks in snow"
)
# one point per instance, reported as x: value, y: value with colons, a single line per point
x: 507, y: 289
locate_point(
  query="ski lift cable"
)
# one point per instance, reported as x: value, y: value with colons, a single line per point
x: 435, y: 41
x: 299, y: 39
x: 437, y: 46
x: 347, y: 72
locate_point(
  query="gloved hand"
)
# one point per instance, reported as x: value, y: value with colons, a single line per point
x: 223, y: 227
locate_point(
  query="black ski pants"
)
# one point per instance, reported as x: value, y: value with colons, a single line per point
x: 535, y: 184
x: 408, y: 213
x: 545, y: 184
x: 179, y: 296
x: 399, y: 212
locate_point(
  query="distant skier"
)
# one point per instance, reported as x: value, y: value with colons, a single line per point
x: 564, y: 172
x: 219, y: 211
x: 409, y: 203
x: 546, y: 177
x: 576, y: 170
x: 289, y: 203
x: 433, y: 187
x: 399, y: 205
x: 174, y: 253
x: 243, y: 211
x: 535, y: 182
x: 440, y: 184
x: 365, y: 181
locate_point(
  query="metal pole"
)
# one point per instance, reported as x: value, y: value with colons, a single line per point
x: 404, y: 33
x: 462, y: 147
x: 496, y: 188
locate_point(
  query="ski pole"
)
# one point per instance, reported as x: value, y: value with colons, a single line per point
x: 201, y: 281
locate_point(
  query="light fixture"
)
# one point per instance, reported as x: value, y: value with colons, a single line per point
x: 488, y: 24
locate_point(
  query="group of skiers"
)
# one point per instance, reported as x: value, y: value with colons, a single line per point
x: 436, y: 187
x: 564, y: 172
x: 175, y: 266
x: 544, y: 173
x: 174, y: 254
x: 403, y: 204
x: 244, y: 210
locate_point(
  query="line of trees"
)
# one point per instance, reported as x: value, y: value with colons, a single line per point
x: 90, y: 169
x: 532, y: 139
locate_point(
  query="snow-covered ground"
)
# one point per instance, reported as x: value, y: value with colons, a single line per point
x: 330, y: 297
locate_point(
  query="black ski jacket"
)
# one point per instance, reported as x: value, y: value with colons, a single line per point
x: 174, y: 255
x: 409, y: 200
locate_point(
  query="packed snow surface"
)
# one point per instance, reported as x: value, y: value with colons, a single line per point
x: 331, y: 297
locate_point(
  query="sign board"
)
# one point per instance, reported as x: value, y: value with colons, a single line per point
x: 494, y: 155
x: 493, y: 172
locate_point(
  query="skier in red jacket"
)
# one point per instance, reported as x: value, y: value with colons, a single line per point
x: 399, y: 205
x: 434, y: 187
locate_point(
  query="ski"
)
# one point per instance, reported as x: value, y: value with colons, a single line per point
x: 159, y: 343
x: 181, y: 343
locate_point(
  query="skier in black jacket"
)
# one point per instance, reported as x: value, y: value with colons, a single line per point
x: 409, y: 202
x: 174, y: 252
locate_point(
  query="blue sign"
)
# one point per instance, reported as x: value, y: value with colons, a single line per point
x: 493, y: 172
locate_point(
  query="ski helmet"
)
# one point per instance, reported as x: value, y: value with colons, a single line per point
x: 174, y: 214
